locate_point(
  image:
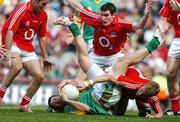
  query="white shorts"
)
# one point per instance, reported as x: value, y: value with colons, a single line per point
x: 105, y: 61
x: 90, y: 45
x: 174, y: 50
x: 25, y: 56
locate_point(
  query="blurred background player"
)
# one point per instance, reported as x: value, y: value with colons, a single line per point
x: 24, y: 22
x: 170, y: 19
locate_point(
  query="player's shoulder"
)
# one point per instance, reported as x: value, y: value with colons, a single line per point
x: 121, y: 20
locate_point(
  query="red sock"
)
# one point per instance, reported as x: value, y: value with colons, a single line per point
x: 2, y: 91
x: 175, y: 103
x: 25, y: 101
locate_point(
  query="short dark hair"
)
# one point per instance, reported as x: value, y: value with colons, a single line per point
x: 52, y: 108
x: 109, y: 6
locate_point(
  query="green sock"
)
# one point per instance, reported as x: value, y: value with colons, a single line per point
x: 153, y: 44
x: 74, y: 29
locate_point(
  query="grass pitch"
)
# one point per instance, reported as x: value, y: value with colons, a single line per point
x: 10, y: 114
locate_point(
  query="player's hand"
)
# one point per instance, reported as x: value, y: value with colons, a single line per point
x: 47, y: 65
x: 158, y: 115
x: 82, y: 85
x: 175, y: 5
x: 63, y: 83
x: 62, y: 95
x: 148, y: 8
x: 149, y: 116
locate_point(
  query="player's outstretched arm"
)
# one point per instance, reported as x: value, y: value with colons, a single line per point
x: 143, y: 20
x: 75, y: 5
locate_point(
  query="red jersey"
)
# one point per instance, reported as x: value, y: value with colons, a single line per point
x: 108, y: 40
x: 25, y: 24
x: 172, y: 16
x: 133, y: 80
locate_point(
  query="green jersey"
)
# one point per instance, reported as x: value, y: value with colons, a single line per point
x: 94, y: 5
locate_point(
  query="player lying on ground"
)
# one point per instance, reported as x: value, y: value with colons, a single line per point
x: 145, y: 89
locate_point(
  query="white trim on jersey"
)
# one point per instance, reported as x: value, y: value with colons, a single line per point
x: 17, y: 14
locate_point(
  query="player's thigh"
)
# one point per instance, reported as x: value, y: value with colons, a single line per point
x: 173, y: 65
x: 33, y: 67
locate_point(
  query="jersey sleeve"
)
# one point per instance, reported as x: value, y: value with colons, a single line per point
x: 42, y: 29
x: 127, y: 83
x: 165, y: 11
x: 91, y: 18
x: 125, y: 24
x: 16, y: 17
x: 155, y: 104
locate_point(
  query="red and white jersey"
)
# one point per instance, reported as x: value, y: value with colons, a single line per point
x: 25, y: 24
x: 172, y: 16
x: 108, y: 40
x: 133, y: 80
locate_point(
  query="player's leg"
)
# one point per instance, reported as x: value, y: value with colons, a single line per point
x: 121, y: 66
x: 173, y: 66
x: 16, y: 67
x: 81, y: 46
x: 34, y: 68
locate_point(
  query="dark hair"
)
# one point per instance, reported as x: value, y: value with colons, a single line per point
x: 109, y: 6
x: 52, y: 108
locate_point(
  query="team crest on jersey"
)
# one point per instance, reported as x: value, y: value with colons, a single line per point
x: 27, y: 23
x: 113, y: 34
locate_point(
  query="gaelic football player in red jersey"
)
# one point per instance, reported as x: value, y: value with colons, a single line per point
x: 110, y: 31
x: 26, y: 20
x: 170, y: 18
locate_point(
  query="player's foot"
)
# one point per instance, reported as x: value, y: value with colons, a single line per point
x: 65, y: 21
x: 25, y: 108
x: 172, y: 113
x: 160, y: 35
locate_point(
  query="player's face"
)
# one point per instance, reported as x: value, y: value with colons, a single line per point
x: 56, y: 102
x: 106, y: 17
x: 39, y: 5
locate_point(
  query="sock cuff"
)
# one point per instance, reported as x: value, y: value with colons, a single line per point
x: 74, y: 29
x: 174, y: 97
x: 27, y: 98
x: 3, y: 88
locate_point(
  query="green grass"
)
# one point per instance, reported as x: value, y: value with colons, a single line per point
x: 10, y: 114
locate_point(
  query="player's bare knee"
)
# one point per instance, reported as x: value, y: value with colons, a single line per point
x: 17, y: 67
x: 39, y: 77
